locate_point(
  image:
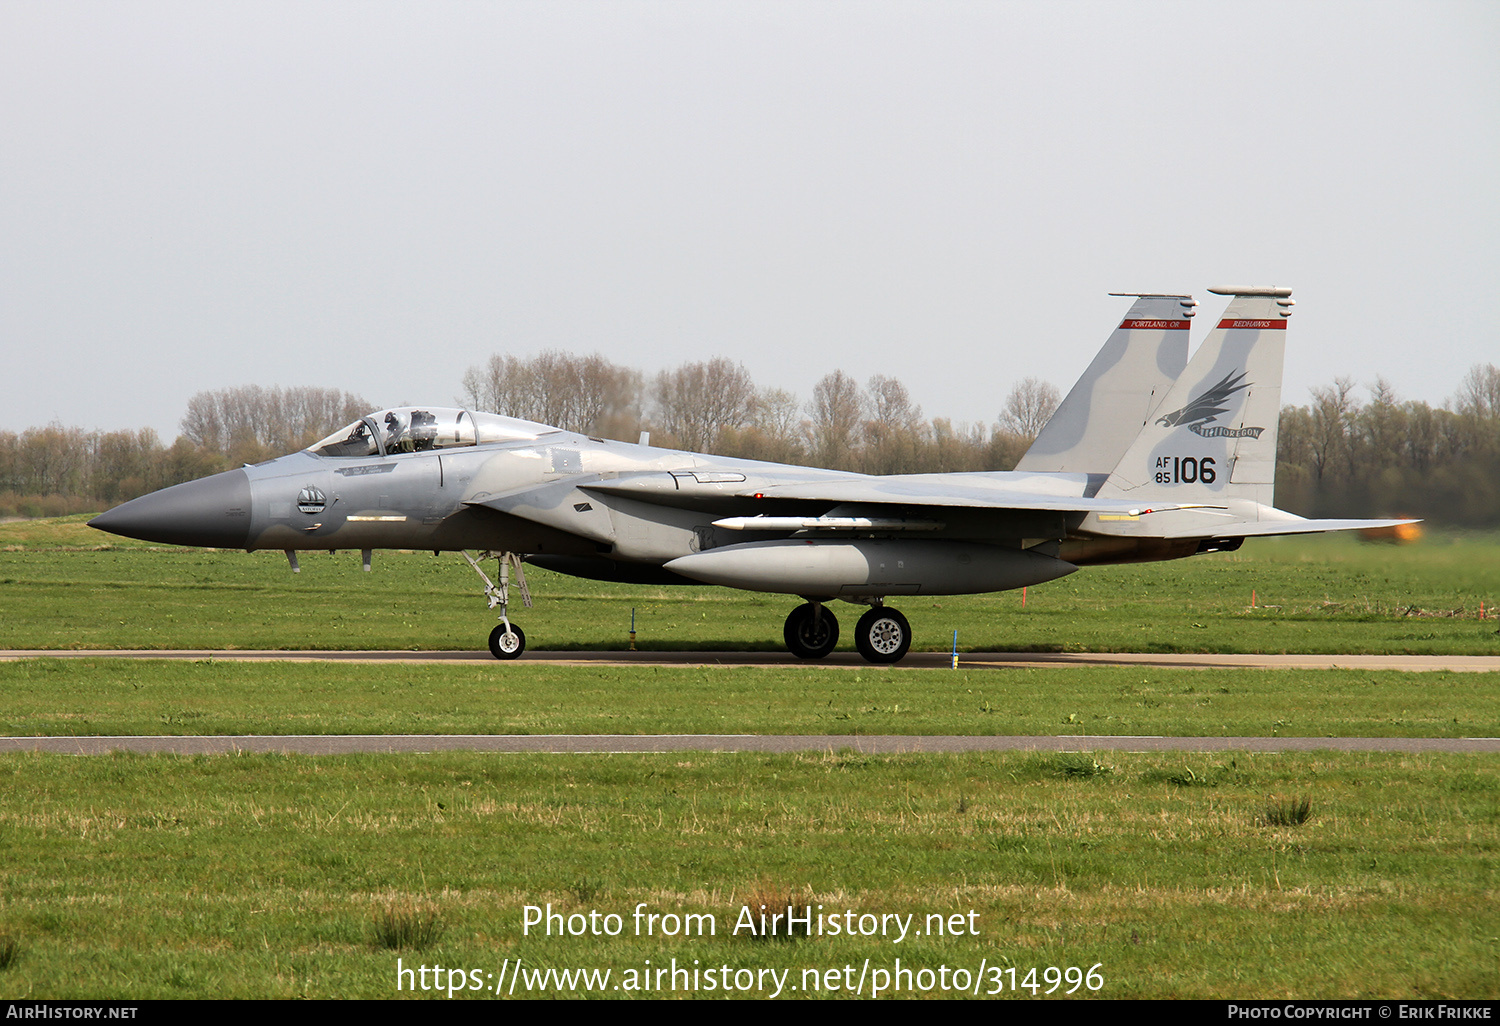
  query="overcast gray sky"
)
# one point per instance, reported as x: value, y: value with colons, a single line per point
x: 375, y: 196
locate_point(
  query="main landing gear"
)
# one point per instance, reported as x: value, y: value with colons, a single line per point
x: 811, y: 631
x: 507, y: 641
x: 882, y: 635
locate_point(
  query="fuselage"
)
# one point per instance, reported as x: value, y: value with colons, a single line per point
x: 584, y: 505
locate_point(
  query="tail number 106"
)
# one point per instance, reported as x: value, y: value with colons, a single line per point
x: 1186, y: 470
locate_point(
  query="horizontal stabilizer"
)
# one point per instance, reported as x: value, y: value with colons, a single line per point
x: 1271, y: 528
x: 1209, y: 522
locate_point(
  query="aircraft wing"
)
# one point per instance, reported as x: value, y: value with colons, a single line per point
x: 628, y: 512
x: 728, y: 489
x: 934, y: 505
x: 944, y: 490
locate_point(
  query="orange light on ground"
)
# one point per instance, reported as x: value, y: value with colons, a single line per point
x: 1396, y: 534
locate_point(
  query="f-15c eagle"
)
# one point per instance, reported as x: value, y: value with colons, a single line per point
x: 1149, y: 457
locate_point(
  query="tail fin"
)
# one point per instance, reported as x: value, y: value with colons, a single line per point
x: 1127, y: 380
x: 1213, y: 438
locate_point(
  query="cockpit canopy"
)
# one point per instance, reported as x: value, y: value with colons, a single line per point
x: 424, y: 429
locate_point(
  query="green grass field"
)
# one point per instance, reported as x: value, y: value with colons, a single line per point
x: 267, y: 876
x: 117, y: 696
x: 1168, y: 875
x: 1310, y: 595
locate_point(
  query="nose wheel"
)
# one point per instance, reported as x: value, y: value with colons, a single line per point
x: 507, y: 641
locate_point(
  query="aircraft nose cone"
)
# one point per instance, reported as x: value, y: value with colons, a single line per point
x: 213, y: 512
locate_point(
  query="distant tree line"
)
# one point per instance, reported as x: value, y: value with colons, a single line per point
x: 715, y: 406
x: 1338, y: 456
x: 54, y: 470
x: 250, y: 424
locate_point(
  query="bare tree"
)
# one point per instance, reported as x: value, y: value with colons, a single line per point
x: 1029, y: 406
x: 778, y: 414
x: 575, y: 393
x: 835, y: 409
x: 893, y: 434
x: 1382, y: 429
x: 251, y: 423
x: 960, y: 448
x: 1333, y: 410
x: 53, y: 460
x: 126, y: 464
x: 776, y: 431
x: 698, y: 402
x: 1479, y: 393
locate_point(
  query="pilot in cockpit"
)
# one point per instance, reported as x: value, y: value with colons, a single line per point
x: 423, y: 430
x: 397, y: 438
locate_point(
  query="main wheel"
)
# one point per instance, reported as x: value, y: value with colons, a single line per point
x: 882, y: 635
x: 507, y: 643
x: 811, y: 632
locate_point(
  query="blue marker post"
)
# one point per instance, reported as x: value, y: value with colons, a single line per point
x: 955, y: 650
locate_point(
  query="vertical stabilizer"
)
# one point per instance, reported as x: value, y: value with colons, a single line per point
x: 1213, y: 438
x: 1116, y: 395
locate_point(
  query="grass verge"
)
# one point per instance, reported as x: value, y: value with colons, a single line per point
x: 254, y: 876
x: 126, y: 696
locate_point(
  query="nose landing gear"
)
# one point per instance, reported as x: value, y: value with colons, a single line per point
x: 507, y: 641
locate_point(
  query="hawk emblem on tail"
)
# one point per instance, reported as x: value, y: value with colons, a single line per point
x: 1206, y: 407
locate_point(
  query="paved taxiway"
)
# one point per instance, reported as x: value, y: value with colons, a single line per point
x: 966, y: 660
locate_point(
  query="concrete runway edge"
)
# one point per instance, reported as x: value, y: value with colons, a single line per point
x: 929, y: 660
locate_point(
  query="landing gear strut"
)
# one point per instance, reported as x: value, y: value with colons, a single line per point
x: 507, y: 641
x: 811, y: 631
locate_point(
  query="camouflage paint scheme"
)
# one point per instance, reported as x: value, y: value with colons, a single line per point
x: 1149, y: 457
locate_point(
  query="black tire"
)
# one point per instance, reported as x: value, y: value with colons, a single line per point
x: 507, y: 645
x: 809, y: 633
x: 882, y: 635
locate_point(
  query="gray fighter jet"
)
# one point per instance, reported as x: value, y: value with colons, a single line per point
x: 1149, y: 457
